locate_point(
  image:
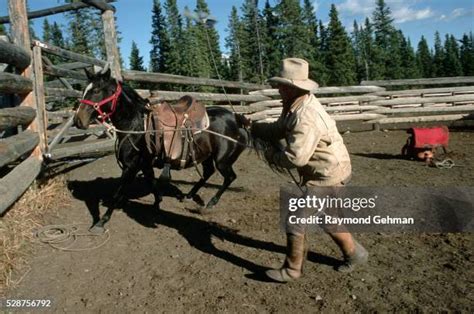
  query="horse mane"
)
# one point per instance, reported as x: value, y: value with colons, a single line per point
x: 133, y: 96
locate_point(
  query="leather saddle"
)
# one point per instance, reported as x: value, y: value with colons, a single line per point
x: 174, y: 128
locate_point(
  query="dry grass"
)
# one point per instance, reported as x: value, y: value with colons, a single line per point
x: 18, y: 225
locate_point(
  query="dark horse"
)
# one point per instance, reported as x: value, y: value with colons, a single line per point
x: 127, y: 112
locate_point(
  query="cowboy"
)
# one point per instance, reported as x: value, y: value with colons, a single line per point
x: 316, y: 149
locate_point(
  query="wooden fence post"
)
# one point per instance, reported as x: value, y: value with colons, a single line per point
x: 21, y: 37
x: 38, y: 87
x: 110, y: 35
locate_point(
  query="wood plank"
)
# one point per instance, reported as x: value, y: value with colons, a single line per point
x: 185, y: 80
x: 267, y: 103
x: 328, y: 90
x: 13, y: 147
x: 73, y: 65
x: 426, y: 110
x: 420, y: 91
x: 51, y: 11
x: 61, y: 92
x: 423, y: 100
x: 14, y: 84
x: 58, y: 72
x: 171, y: 96
x: 437, y: 118
x: 14, y: 55
x: 15, y: 183
x: 102, y: 147
x: 101, y: 5
x: 11, y: 117
x: 59, y: 84
x: 110, y: 36
x: 345, y: 99
x: 62, y: 80
x: 423, y: 81
x: 357, y: 116
x: 64, y: 128
x: 58, y: 51
x: 38, y: 86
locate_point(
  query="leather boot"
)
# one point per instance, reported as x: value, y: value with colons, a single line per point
x: 295, y: 257
x: 358, y: 257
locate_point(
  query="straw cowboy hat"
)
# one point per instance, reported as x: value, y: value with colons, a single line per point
x: 294, y: 73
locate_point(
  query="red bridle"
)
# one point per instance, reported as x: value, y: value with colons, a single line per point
x: 97, y: 105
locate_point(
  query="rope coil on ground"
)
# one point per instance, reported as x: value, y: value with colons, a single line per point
x: 64, y: 237
x: 443, y: 164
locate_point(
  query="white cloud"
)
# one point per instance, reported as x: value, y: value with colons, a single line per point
x: 402, y: 10
x: 456, y: 13
x: 316, y: 5
x: 355, y: 7
x: 406, y: 14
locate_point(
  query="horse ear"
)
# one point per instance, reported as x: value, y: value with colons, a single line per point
x: 90, y: 75
x: 106, y: 74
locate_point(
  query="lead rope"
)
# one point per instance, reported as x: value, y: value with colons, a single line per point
x: 215, y: 66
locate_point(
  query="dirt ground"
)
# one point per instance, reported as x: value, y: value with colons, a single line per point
x: 175, y: 260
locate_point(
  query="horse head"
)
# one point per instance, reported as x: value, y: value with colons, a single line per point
x: 99, y: 99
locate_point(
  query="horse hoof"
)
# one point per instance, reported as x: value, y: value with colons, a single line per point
x: 198, y: 200
x: 97, y: 230
x: 211, y: 203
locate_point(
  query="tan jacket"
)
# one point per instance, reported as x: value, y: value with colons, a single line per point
x: 314, y: 145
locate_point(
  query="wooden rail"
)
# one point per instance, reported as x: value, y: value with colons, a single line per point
x: 55, y: 10
x: 423, y: 81
x: 14, y: 55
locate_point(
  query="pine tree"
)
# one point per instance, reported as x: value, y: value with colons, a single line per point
x: 452, y: 62
x: 438, y: 57
x: 79, y: 30
x: 467, y: 54
x: 233, y: 43
x: 189, y: 53
x: 57, y: 37
x: 424, y: 59
x: 312, y: 53
x: 358, y: 44
x: 340, y: 57
x: 46, y: 31
x: 272, y: 50
x: 393, y: 61
x: 174, y: 24
x: 135, y: 60
x: 252, y: 45
x: 292, y: 33
x: 159, y: 41
x: 53, y: 35
x: 387, y: 43
x: 2, y: 30
x: 409, y: 66
x: 208, y: 50
x: 136, y: 63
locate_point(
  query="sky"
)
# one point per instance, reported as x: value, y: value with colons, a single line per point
x: 414, y: 17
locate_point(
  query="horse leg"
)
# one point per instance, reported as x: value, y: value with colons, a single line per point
x: 128, y: 174
x: 150, y: 179
x: 229, y: 176
x: 209, y: 169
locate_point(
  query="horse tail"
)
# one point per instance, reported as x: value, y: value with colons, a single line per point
x: 244, y: 124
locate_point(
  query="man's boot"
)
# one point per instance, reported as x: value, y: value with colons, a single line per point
x: 295, y: 257
x: 358, y: 257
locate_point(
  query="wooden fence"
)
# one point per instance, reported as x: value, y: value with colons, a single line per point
x: 29, y: 133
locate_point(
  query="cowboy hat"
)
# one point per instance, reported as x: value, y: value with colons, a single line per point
x: 294, y: 73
